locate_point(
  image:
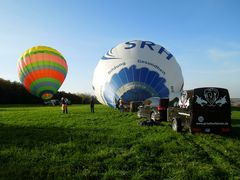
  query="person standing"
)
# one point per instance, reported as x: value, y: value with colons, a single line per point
x: 64, y: 105
x: 116, y: 103
x: 121, y: 105
x: 92, y: 105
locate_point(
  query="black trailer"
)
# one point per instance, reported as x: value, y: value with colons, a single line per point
x: 206, y: 109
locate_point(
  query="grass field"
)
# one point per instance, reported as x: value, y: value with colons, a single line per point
x: 42, y: 143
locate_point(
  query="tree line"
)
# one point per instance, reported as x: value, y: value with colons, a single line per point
x: 15, y: 93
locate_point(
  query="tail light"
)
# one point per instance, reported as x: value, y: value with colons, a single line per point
x: 160, y: 108
x: 225, y: 130
x: 196, y: 130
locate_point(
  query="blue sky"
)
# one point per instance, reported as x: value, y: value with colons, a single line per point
x: 204, y: 36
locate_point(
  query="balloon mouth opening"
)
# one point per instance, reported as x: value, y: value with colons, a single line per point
x: 46, y: 96
x: 139, y: 94
x: 134, y: 91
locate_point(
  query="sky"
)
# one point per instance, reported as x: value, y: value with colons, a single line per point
x: 203, y: 36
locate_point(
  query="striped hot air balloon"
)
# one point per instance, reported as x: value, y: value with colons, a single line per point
x: 42, y: 70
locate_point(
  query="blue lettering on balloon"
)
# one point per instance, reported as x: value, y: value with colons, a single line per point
x: 150, y: 45
x: 131, y: 45
x: 162, y: 49
x: 147, y: 43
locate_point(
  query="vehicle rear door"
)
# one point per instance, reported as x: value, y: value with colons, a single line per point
x: 211, y: 108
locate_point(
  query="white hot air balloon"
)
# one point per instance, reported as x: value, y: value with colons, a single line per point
x: 136, y: 70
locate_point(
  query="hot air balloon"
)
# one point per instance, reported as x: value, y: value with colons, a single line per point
x: 42, y: 70
x: 135, y: 71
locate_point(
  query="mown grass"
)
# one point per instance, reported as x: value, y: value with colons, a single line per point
x: 42, y: 143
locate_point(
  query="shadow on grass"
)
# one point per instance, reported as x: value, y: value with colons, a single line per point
x: 13, y: 109
x: 50, y: 152
x: 34, y: 137
x: 235, y: 128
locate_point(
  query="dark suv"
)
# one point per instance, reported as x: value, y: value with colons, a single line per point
x: 205, y: 109
x: 154, y: 108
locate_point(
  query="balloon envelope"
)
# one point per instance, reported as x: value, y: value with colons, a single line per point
x: 134, y: 71
x: 42, y: 70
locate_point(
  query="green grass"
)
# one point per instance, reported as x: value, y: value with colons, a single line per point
x: 42, y: 143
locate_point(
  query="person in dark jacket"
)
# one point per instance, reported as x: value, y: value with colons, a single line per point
x: 64, y: 105
x: 92, y: 105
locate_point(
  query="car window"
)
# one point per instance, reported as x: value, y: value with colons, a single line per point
x: 152, y: 101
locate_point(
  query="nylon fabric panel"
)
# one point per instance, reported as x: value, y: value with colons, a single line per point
x: 43, y: 74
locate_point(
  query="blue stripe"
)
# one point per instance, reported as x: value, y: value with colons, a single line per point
x: 116, y: 81
x: 136, y: 74
x: 144, y: 72
x: 130, y: 74
x: 150, y: 77
x: 123, y: 76
x: 152, y: 84
x: 155, y: 80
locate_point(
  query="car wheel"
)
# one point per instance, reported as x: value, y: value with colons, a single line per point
x: 176, y: 125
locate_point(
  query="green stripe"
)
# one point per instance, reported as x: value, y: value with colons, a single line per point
x: 41, y: 80
x: 42, y: 51
x: 41, y: 65
x: 46, y: 88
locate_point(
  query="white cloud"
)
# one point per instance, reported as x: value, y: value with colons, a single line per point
x: 223, y: 55
x: 226, y: 71
x: 233, y: 45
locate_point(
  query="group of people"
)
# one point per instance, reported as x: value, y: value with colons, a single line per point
x: 64, y: 103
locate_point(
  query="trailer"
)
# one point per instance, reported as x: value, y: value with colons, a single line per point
x: 206, y: 109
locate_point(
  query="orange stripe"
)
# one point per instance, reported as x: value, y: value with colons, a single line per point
x: 31, y: 77
x: 42, y: 57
